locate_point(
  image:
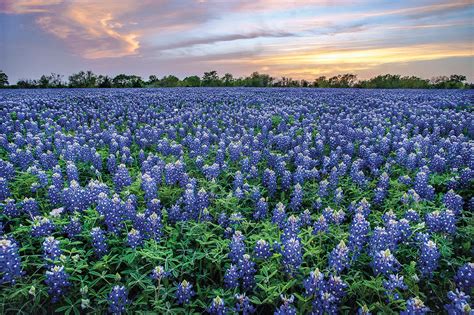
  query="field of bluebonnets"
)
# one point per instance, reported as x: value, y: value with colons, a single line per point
x: 236, y: 201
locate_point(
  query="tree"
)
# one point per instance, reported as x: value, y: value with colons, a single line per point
x: 192, y: 81
x: 83, y: 79
x: 127, y: 81
x: 228, y: 79
x: 104, y: 81
x: 211, y: 79
x: 3, y: 79
x: 168, y: 81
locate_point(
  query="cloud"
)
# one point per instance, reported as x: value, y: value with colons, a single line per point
x: 224, y: 38
x: 26, y: 6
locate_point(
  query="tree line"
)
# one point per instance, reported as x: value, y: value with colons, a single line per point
x: 88, y: 79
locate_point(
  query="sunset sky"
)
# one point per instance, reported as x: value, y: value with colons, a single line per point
x: 299, y: 39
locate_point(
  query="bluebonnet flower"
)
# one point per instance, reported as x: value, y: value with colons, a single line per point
x: 243, y: 305
x: 363, y: 310
x: 314, y: 283
x: 338, y: 196
x: 158, y: 273
x: 287, y: 308
x: 10, y: 208
x: 237, y: 247
x: 149, y: 186
x: 292, y: 256
x: 279, y: 215
x: 339, y: 257
x: 392, y: 283
x: 296, y: 197
x: 31, y: 207
x: 122, y: 177
x: 270, y: 181
x: 429, y: 256
x: 384, y: 262
x: 422, y: 187
x: 73, y: 228
x: 71, y: 171
x: 412, y: 215
x: 10, y: 262
x: 453, y: 201
x: 358, y: 233
x: 305, y: 218
x: 217, y: 307
x: 441, y: 221
x: 262, y: 249
x: 247, y: 272
x: 320, y: 225
x: 415, y: 306
x: 185, y: 292
x: 291, y: 228
x: 231, y: 277
x: 261, y: 209
x: 57, y: 281
x: 134, y: 238
x: 51, y: 250
x: 41, y: 227
x: 118, y: 300
x: 4, y: 190
x: 99, y: 242
x: 465, y: 277
x: 459, y: 303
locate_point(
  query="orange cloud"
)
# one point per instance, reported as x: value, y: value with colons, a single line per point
x: 310, y: 63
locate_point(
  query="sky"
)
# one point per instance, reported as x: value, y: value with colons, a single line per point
x: 298, y: 39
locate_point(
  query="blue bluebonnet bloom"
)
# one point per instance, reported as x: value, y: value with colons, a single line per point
x: 415, y: 306
x: 453, y: 201
x: 291, y: 228
x: 30, y: 206
x: 392, y: 283
x: 118, y: 300
x: 185, y: 292
x: 10, y: 263
x: 237, y: 247
x: 243, y: 305
x: 262, y: 249
x: 134, y: 238
x: 10, y: 208
x: 73, y: 228
x: 158, y: 273
x: 247, y: 272
x: 305, y: 218
x: 465, y: 277
x: 279, y: 215
x: 384, y: 262
x: 217, y: 307
x: 41, y: 227
x: 441, y: 221
x: 122, y: 177
x: 292, y: 255
x: 51, y: 250
x: 99, y: 242
x: 412, y: 216
x: 57, y: 281
x: 358, y: 234
x: 314, y: 283
x: 320, y: 225
x: 459, y: 303
x: 429, y: 256
x: 339, y: 257
x: 286, y: 308
x: 296, y: 197
x: 261, y: 209
x: 4, y: 190
x: 231, y: 277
